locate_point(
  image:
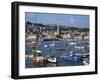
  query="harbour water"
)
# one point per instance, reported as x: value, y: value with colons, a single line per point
x: 62, y: 50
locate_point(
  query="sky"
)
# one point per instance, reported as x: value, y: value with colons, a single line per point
x: 81, y: 21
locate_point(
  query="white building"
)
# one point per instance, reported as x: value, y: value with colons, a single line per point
x: 78, y: 37
x: 86, y: 37
x: 68, y: 36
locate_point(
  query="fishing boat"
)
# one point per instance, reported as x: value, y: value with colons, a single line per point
x: 28, y: 56
x: 85, y: 61
x: 52, y: 59
x: 36, y: 51
x: 72, y: 43
x: 38, y: 60
x: 45, y: 46
x: 79, y: 47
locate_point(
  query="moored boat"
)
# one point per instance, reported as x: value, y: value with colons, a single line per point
x: 52, y: 59
x: 28, y: 56
x: 72, y: 43
x: 85, y: 61
x: 79, y: 47
x: 36, y: 51
x: 38, y: 60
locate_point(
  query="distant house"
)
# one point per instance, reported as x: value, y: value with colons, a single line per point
x: 66, y: 36
x: 32, y: 37
x: 31, y: 40
x: 78, y: 37
x: 86, y: 37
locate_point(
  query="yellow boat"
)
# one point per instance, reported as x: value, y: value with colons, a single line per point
x: 36, y: 51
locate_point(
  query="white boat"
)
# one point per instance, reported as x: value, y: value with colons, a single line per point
x: 45, y: 46
x: 72, y: 43
x: 28, y: 56
x: 84, y: 62
x: 79, y: 47
x: 52, y: 60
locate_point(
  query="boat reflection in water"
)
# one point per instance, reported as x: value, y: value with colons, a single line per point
x: 57, y: 53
